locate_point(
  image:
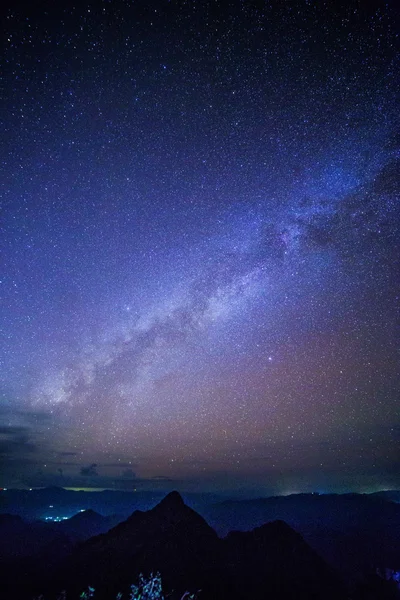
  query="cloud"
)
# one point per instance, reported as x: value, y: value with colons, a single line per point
x: 37, y: 477
x: 16, y: 441
x: 90, y: 471
x: 10, y: 430
x: 17, y: 416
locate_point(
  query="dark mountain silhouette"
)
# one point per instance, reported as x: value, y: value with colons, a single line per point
x: 354, y: 533
x: 10, y: 525
x: 171, y: 538
x: 175, y: 540
x: 85, y: 525
x: 29, y: 551
x: 276, y: 559
x: 21, y: 539
x: 392, y: 495
x: 271, y: 561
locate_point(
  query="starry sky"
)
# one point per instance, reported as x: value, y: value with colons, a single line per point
x: 200, y: 241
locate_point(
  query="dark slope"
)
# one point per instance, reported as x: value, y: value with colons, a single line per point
x: 28, y: 553
x: 355, y: 533
x: 271, y: 561
x: 276, y: 559
x: 171, y: 538
x: 21, y: 539
x: 85, y: 525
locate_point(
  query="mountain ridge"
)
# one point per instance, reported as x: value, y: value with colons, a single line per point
x: 271, y: 558
x: 175, y: 540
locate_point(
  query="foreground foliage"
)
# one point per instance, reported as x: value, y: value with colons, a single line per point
x: 147, y: 588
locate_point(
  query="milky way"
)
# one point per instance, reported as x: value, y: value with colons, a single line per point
x: 201, y: 241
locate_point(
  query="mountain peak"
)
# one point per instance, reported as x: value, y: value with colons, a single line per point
x: 171, y: 500
x: 86, y: 514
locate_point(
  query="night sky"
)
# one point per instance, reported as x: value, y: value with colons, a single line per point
x: 201, y: 245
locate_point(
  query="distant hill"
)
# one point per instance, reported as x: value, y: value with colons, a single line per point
x: 273, y: 561
x: 29, y: 551
x: 392, y: 495
x: 355, y: 533
x: 38, y: 503
x: 85, y: 525
x: 19, y: 539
